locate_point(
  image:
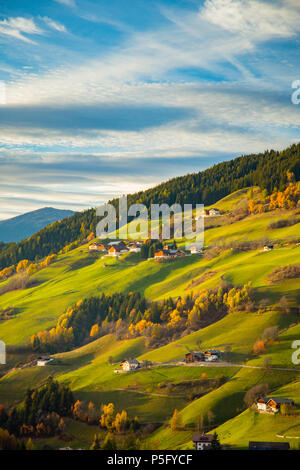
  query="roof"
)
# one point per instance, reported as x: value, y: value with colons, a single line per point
x: 116, y: 248
x: 280, y: 400
x: 213, y: 351
x: 264, y: 399
x: 118, y: 242
x: 200, y: 354
x: 269, y: 445
x: 203, y: 437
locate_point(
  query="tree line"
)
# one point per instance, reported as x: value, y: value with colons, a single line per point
x: 40, y: 413
x: 129, y: 315
x: 80, y: 322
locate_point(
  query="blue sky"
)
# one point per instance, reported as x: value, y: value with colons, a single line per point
x: 105, y: 98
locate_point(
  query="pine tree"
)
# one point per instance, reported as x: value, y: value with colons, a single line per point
x: 215, y: 444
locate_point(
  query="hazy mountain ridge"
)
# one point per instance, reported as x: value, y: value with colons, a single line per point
x: 25, y: 225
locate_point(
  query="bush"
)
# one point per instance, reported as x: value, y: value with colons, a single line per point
x: 283, y: 223
x: 283, y: 272
x: 255, y: 392
x: 270, y: 333
x: 21, y: 281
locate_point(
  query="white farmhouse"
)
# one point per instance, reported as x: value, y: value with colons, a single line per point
x: 43, y: 361
x: 130, y: 364
x: 214, y: 211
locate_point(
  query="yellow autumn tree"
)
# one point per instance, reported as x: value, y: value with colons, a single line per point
x: 22, y: 265
x: 7, y: 272
x: 32, y: 268
x: 175, y: 421
x: 107, y: 417
x: 121, y: 421
x: 259, y: 347
x: 94, y: 331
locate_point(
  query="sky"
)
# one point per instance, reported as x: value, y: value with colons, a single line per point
x: 103, y: 98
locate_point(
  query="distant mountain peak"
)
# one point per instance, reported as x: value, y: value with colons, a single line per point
x: 23, y: 226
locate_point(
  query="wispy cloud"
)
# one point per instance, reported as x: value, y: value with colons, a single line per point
x: 197, y: 87
x: 69, y: 3
x: 17, y: 27
x: 256, y: 20
x: 54, y: 24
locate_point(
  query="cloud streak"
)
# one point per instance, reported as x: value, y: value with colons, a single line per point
x: 54, y: 24
x: 17, y: 27
x: 197, y: 87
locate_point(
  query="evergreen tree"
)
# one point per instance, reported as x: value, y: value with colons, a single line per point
x: 215, y: 444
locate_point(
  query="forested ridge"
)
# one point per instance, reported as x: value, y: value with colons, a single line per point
x: 267, y: 170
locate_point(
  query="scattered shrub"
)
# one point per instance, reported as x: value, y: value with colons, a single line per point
x: 283, y: 223
x: 283, y: 272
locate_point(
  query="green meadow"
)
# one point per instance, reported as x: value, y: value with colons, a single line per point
x: 153, y: 393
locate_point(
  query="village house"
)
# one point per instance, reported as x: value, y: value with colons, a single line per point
x: 261, y: 404
x: 43, y: 360
x: 162, y: 254
x: 119, y: 243
x: 196, y: 250
x: 214, y: 211
x: 130, y: 365
x: 268, y: 445
x: 93, y: 246
x: 203, y: 441
x: 177, y: 253
x: 134, y: 247
x: 169, y: 254
x: 194, y: 357
x: 96, y: 246
x: 102, y: 247
x: 272, y: 404
x: 268, y: 247
x: 212, y: 355
x: 117, y: 250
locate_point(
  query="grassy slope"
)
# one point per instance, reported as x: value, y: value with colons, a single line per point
x: 91, y: 377
x: 253, y: 426
x: 61, y: 285
x: 238, y: 330
x: 230, y: 202
x: 87, y: 369
x: 226, y: 403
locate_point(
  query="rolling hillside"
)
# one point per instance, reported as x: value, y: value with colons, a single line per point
x: 267, y: 170
x: 214, y: 393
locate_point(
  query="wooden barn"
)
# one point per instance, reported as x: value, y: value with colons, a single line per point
x: 194, y: 357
